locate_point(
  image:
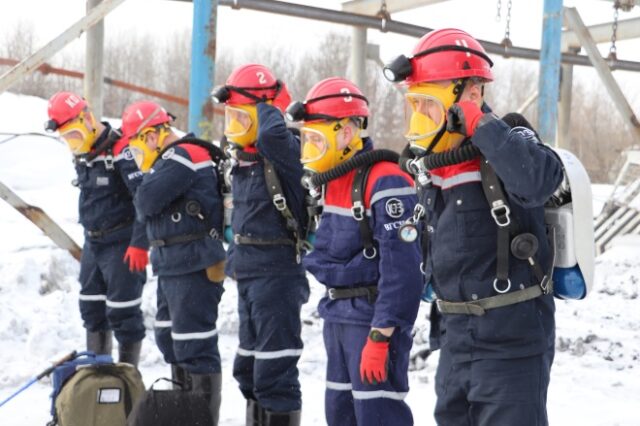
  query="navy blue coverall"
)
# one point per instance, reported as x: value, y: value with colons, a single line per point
x: 338, y: 261
x: 181, y: 203
x: 494, y: 368
x: 272, y: 286
x: 110, y: 295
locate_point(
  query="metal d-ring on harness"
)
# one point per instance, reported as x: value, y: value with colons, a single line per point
x: 359, y: 212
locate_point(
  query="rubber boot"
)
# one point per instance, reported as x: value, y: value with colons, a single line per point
x: 130, y: 352
x: 282, y: 419
x: 182, y: 376
x: 255, y: 413
x: 99, y: 342
x: 209, y: 385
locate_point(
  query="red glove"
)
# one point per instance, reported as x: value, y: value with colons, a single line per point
x: 137, y: 258
x: 373, y: 362
x: 463, y: 118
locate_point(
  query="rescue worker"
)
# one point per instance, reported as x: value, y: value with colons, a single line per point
x: 372, y: 277
x: 486, y: 252
x: 114, y: 255
x: 180, y: 201
x: 268, y: 223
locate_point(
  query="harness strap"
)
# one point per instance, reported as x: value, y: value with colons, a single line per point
x: 359, y: 211
x: 103, y: 232
x: 479, y: 307
x: 243, y: 239
x: 280, y: 202
x: 335, y: 293
x: 179, y: 239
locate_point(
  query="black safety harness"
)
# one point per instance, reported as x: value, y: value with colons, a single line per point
x: 522, y: 245
x: 277, y: 194
x: 106, y: 147
x: 192, y: 207
x: 363, y: 164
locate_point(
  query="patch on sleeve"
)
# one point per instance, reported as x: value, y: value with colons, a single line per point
x: 526, y: 133
x: 394, y: 208
x: 169, y: 153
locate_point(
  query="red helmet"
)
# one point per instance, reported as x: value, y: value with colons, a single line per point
x: 449, y: 54
x: 142, y: 114
x: 247, y: 85
x: 331, y: 98
x: 64, y: 106
x: 446, y: 54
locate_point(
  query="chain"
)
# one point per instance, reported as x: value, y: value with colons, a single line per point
x: 614, y: 31
x: 507, y: 28
x: 498, y: 9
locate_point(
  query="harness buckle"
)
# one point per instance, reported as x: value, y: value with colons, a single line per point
x: 214, y: 234
x: 331, y: 293
x: 357, y: 211
x: 501, y: 213
x: 280, y: 202
x: 544, y: 285
x: 108, y: 162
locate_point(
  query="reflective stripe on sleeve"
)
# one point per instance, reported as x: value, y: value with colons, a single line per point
x: 162, y: 324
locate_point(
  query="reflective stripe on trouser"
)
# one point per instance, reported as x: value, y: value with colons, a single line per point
x: 110, y: 294
x: 270, y: 345
x: 185, y: 326
x: 348, y: 401
x: 493, y: 391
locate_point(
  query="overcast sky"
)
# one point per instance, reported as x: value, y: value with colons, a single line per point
x: 240, y: 29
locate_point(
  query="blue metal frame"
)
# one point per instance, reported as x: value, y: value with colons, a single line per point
x: 203, y: 54
x: 549, y: 82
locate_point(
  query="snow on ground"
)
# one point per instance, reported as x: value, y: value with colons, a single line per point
x: 595, y: 377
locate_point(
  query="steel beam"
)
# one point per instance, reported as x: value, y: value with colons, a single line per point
x: 549, y: 81
x: 372, y: 7
x: 575, y: 22
x: 601, y: 33
x: 94, y: 64
x: 32, y: 62
x: 203, y: 56
x: 347, y: 18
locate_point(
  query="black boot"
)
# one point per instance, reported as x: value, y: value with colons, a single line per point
x: 255, y: 413
x: 130, y: 352
x: 179, y: 374
x: 99, y: 342
x: 210, y: 385
x: 282, y: 419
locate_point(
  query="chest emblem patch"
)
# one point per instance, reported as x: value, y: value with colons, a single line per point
x: 394, y: 208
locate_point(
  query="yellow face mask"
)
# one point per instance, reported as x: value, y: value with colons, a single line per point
x: 425, y: 116
x: 323, y: 145
x: 142, y: 153
x: 241, y: 124
x: 79, y: 133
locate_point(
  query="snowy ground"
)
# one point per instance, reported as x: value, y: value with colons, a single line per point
x: 595, y: 378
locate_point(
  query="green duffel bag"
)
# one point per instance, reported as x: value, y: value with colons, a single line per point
x: 99, y: 395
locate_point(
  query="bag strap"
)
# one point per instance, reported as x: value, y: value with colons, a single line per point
x: 359, y: 210
x: 175, y: 382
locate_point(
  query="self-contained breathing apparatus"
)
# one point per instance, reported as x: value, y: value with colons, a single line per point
x: 567, y: 216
